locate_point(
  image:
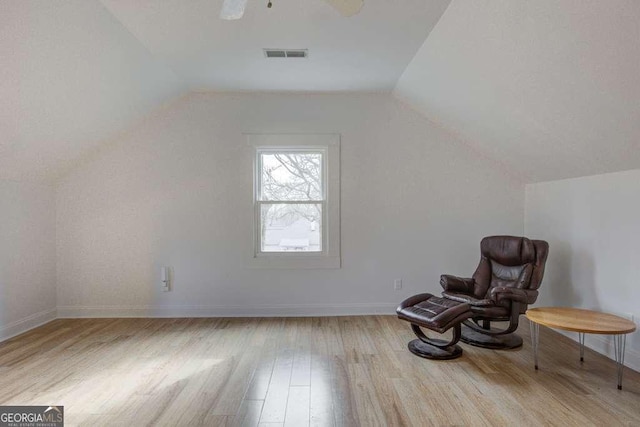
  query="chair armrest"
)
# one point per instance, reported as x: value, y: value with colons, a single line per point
x: 525, y: 296
x: 456, y: 284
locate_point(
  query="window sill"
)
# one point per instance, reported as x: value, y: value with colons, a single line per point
x: 294, y: 262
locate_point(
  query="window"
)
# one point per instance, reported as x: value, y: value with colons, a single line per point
x: 291, y: 199
x: 296, y: 201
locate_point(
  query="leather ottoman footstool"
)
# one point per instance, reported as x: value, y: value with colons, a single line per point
x: 436, y: 314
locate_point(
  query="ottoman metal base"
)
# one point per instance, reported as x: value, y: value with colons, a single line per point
x: 432, y: 348
x: 429, y: 351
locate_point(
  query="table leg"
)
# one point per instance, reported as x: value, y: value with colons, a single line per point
x: 581, y: 339
x: 620, y: 342
x: 535, y: 332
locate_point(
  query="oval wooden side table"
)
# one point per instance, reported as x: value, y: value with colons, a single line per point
x: 582, y: 321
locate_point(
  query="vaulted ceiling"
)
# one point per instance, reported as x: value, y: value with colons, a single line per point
x: 76, y: 72
x: 548, y: 88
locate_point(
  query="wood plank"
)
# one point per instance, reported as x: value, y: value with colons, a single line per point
x: 275, y: 403
x: 297, y: 414
x: 320, y: 393
x: 248, y: 414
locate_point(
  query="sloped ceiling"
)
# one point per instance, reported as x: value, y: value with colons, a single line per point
x: 550, y: 88
x: 76, y: 72
x: 71, y: 76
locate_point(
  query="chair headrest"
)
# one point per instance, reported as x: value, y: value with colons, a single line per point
x: 508, y: 250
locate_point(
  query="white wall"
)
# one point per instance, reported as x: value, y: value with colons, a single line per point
x: 592, y: 225
x: 27, y: 256
x: 177, y: 191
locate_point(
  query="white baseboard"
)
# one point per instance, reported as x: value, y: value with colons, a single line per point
x: 283, y: 310
x: 603, y: 344
x: 25, y: 324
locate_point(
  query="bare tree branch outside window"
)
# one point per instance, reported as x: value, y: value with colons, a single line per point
x: 291, y: 177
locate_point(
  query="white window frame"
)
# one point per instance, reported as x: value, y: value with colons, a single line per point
x: 329, y: 146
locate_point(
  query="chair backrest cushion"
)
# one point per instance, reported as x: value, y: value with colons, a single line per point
x: 509, y: 261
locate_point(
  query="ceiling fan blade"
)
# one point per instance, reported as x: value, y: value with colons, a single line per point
x: 346, y: 7
x: 232, y: 9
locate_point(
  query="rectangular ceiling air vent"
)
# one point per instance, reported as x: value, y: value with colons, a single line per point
x: 286, y: 53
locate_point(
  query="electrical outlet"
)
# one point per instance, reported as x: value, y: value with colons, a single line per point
x: 397, y: 284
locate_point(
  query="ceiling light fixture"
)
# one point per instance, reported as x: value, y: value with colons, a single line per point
x: 234, y: 9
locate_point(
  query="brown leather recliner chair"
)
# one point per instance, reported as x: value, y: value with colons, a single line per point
x: 505, y: 282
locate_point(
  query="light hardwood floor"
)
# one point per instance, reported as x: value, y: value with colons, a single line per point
x: 333, y: 371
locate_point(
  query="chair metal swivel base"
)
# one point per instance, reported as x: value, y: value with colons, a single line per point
x: 495, y: 342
